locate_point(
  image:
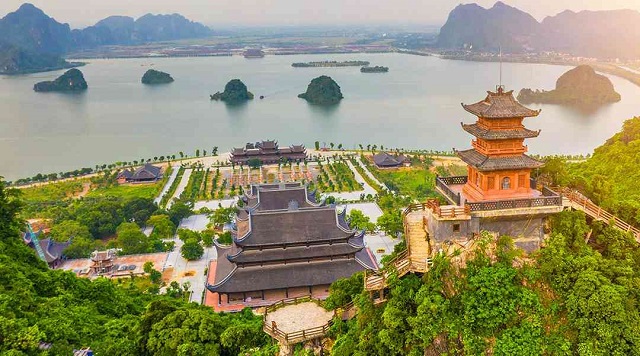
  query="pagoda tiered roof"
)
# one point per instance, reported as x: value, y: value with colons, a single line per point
x: 488, y: 134
x: 291, y: 227
x: 278, y: 197
x: 500, y: 105
x: 487, y: 163
x: 290, y: 242
x: 268, y: 152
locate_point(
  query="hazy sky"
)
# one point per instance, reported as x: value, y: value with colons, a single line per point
x: 80, y: 13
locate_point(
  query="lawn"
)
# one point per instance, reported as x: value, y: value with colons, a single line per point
x: 150, y: 191
x: 414, y: 182
x: 52, y: 191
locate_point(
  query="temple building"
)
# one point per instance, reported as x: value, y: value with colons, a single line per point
x: 47, y: 249
x: 285, y: 245
x: 268, y: 152
x: 497, y: 194
x: 385, y: 160
x: 144, y: 174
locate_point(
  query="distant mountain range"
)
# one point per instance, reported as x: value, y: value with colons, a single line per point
x: 602, y: 34
x: 29, y: 31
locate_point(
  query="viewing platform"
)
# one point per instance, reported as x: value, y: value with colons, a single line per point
x: 543, y: 201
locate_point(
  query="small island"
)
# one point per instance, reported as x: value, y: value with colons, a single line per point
x: 322, y: 91
x: 234, y: 92
x: 580, y: 86
x: 71, y: 81
x: 325, y: 64
x: 15, y: 60
x: 152, y: 77
x: 375, y: 69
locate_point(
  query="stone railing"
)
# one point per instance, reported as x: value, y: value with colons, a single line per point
x: 443, y: 184
x: 516, y: 203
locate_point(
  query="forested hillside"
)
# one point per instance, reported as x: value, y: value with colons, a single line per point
x: 51, y: 312
x: 571, y: 298
x: 611, y: 177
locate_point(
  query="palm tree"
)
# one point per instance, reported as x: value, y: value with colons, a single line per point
x: 331, y: 144
x: 361, y: 147
x: 181, y: 154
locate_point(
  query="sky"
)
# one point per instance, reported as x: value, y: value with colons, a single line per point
x: 215, y: 13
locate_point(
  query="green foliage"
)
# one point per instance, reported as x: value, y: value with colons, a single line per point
x: 234, y: 92
x: 147, y: 191
x: 610, y: 177
x: 180, y: 210
x: 359, y: 221
x: 52, y: 191
x: 344, y: 290
x: 163, y: 227
x: 391, y: 222
x: 223, y: 216
x: 67, y: 229
x: 225, y: 238
x: 132, y: 240
x: 571, y: 298
x: 192, y: 250
x: 38, y: 305
x: 322, y: 91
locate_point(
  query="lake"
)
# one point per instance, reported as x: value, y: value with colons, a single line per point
x: 415, y: 105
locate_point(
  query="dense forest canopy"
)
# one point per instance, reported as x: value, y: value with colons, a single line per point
x: 41, y: 308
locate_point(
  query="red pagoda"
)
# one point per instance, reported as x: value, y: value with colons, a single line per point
x: 498, y: 167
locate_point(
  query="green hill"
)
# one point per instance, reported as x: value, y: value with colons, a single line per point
x: 579, y: 86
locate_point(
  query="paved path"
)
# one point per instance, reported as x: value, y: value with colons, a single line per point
x: 172, y: 177
x: 190, y: 271
x: 369, y: 174
x: 214, y: 204
x: 298, y: 317
x: 181, y: 186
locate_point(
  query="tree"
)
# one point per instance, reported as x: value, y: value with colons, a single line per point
x: 163, y: 227
x: 357, y: 220
x: 254, y: 163
x: 222, y: 216
x: 67, y: 229
x: 214, y: 151
x: 147, y: 267
x: 131, y: 239
x: 391, y: 222
x: 225, y: 238
x: 198, y: 153
x: 180, y: 210
x: 317, y: 145
x: 192, y: 250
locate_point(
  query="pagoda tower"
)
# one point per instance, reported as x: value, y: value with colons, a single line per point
x: 498, y: 167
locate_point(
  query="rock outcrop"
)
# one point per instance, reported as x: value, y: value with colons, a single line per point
x: 580, y: 86
x: 322, y: 91
x: 71, y: 81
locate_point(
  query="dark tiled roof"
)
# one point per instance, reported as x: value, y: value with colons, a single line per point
x: 52, y: 249
x: 146, y: 172
x: 290, y: 227
x: 278, y: 196
x: 484, y: 163
x: 268, y: 145
x: 294, y: 253
x: 384, y: 159
x: 500, y: 105
x: 126, y: 174
x: 255, y: 278
x: 487, y: 134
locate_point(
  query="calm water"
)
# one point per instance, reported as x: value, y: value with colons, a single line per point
x: 415, y: 105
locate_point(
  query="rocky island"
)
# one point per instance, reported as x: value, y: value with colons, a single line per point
x: 322, y: 91
x: 579, y: 86
x: 375, y: 69
x: 71, y: 81
x: 234, y: 92
x: 156, y: 77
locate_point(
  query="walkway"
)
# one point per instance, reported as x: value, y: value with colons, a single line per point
x: 172, y: 177
x: 577, y: 201
x: 369, y: 174
x: 181, y: 186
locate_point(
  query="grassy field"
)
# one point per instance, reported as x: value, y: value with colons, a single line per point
x: 416, y: 182
x: 53, y: 191
x: 129, y: 191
